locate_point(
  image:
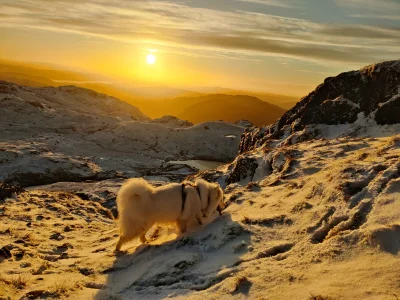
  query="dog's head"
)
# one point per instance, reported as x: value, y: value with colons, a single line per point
x: 217, y: 198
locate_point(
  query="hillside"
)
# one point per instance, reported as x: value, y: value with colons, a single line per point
x: 231, y: 108
x: 69, y: 133
x: 313, y: 212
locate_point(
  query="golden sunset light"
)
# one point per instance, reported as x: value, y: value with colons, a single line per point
x: 200, y: 149
x: 151, y: 59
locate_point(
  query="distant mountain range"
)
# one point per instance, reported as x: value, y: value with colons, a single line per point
x: 196, y: 105
x: 230, y: 108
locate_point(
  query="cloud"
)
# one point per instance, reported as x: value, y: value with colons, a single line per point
x: 372, y: 5
x: 276, y: 3
x: 236, y: 34
x: 373, y: 9
x: 378, y: 17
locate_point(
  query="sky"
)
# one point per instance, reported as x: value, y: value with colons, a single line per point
x: 280, y: 46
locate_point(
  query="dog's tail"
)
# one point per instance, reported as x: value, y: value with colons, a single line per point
x: 134, y: 190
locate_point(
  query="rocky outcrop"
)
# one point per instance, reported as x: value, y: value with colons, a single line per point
x: 389, y: 112
x: 339, y: 100
x: 173, y: 121
x: 353, y: 104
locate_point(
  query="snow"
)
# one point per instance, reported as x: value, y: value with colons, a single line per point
x: 56, y: 134
x: 344, y: 100
x: 318, y: 216
x: 297, y: 231
x: 201, y: 165
x: 396, y: 96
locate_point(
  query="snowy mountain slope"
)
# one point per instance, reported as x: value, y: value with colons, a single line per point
x: 69, y: 133
x: 325, y: 221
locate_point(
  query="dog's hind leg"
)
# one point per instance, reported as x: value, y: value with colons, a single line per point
x: 144, y: 230
x: 128, y: 236
x: 122, y: 240
x: 182, y: 225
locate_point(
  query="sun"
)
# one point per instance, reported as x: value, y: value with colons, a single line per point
x: 151, y: 59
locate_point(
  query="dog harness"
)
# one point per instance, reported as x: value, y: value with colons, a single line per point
x: 184, y: 194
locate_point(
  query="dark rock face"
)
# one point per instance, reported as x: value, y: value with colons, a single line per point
x: 339, y: 100
x: 389, y: 113
x: 242, y: 168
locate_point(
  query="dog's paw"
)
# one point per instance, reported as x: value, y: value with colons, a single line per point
x: 119, y: 252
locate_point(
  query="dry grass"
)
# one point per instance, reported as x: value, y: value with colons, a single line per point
x: 64, y: 287
x: 18, y: 282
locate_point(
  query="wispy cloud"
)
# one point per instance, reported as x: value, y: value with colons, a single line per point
x: 373, y: 9
x: 378, y: 17
x: 276, y: 3
x: 372, y: 5
x: 238, y: 34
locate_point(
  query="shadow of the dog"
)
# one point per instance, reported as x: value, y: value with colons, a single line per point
x: 179, y: 263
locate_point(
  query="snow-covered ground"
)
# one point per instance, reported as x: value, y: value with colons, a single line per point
x: 72, y: 134
x: 322, y: 220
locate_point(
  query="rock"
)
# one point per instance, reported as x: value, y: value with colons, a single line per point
x: 86, y: 271
x: 36, y: 294
x: 5, y: 253
x: 68, y: 228
x: 244, y: 123
x: 42, y: 268
x: 57, y: 236
x: 94, y: 285
x: 174, y: 121
x: 242, y: 168
x: 339, y: 100
x: 25, y: 265
x: 50, y: 258
x: 19, y: 255
x: 64, y: 247
x: 389, y: 112
x: 7, y: 190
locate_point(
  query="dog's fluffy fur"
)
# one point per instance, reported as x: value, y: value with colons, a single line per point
x: 211, y: 197
x: 141, y: 205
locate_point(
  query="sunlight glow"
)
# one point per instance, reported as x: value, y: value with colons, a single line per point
x: 151, y: 59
